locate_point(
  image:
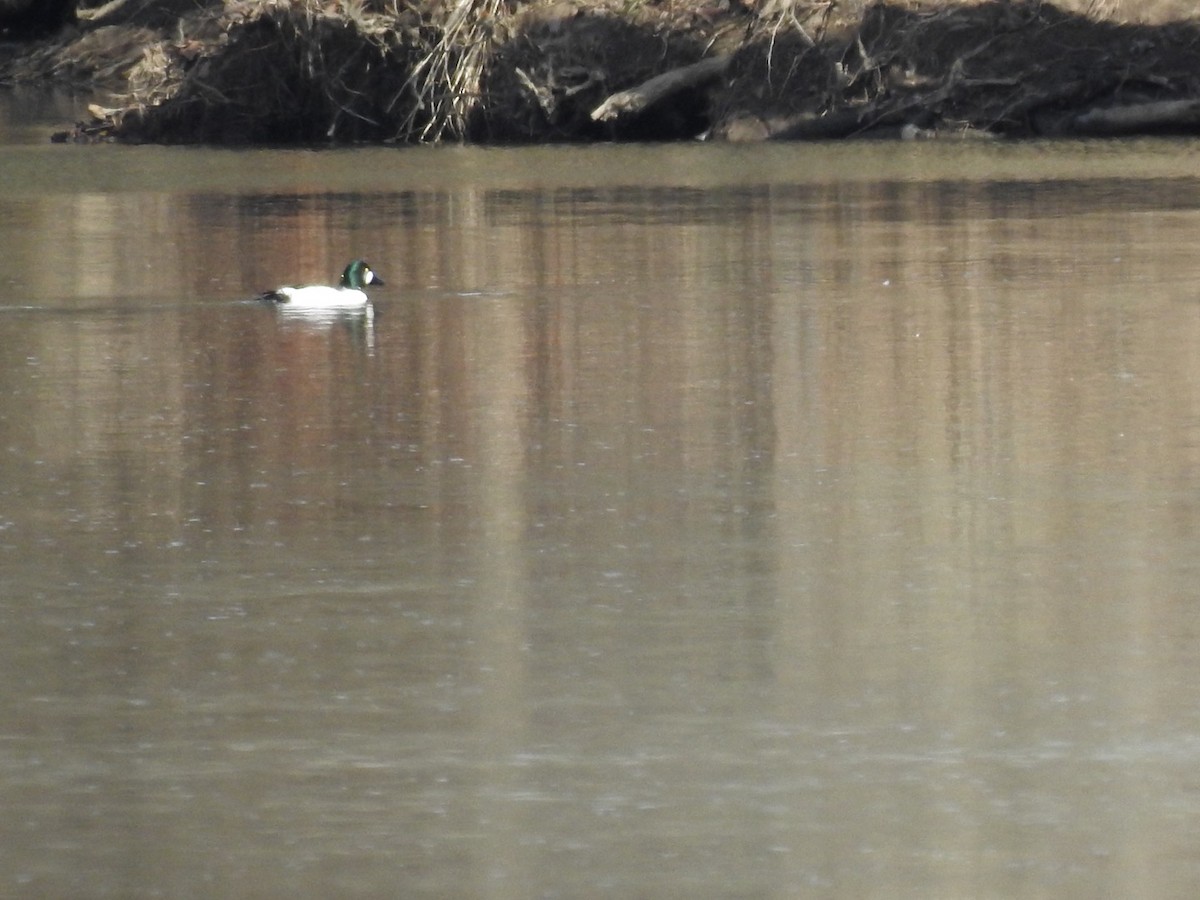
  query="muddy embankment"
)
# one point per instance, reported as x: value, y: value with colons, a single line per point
x: 498, y: 71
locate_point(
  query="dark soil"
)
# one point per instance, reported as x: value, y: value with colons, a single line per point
x: 544, y: 83
x: 22, y: 20
x: 283, y: 79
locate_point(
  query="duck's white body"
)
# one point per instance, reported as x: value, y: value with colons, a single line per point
x: 320, y: 296
x: 348, y: 294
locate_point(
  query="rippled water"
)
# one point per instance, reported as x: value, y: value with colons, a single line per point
x: 685, y: 521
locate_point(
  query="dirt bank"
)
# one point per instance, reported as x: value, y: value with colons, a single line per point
x: 273, y: 71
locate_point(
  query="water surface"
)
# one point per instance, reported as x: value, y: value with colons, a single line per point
x: 686, y: 521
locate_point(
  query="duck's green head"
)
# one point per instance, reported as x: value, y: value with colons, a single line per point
x: 358, y: 275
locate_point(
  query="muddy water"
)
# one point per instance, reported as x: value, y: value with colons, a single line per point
x: 688, y: 521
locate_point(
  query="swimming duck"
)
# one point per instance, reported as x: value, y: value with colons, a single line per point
x: 348, y: 294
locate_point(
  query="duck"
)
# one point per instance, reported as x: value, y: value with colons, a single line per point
x: 349, y: 293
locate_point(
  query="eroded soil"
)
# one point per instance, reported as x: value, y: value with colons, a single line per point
x: 267, y: 71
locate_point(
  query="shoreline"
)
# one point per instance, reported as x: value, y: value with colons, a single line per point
x: 269, y: 72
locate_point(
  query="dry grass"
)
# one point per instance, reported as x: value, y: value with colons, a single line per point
x: 445, y: 82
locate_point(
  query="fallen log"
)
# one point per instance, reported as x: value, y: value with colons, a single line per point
x: 633, y: 101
